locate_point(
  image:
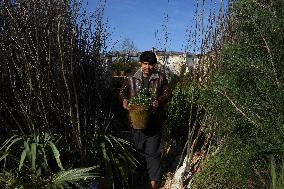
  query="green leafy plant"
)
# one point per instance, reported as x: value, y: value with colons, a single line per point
x: 246, y: 100
x: 178, y: 113
x: 143, y: 98
x: 38, y: 151
x: 113, y: 154
x: 64, y: 178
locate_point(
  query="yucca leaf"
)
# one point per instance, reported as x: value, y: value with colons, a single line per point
x: 131, y: 159
x: 109, y: 141
x: 37, y: 139
x: 46, y: 137
x: 3, y: 156
x: 120, y: 144
x: 103, y: 148
x: 110, y: 117
x: 119, y: 168
x: 45, y: 164
x: 56, y: 154
x: 23, y: 157
x: 33, y: 154
x: 73, y: 176
x: 7, y: 141
x: 13, y: 142
x: 27, y: 148
x: 123, y: 141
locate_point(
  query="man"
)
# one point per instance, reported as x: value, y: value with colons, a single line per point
x: 148, y: 140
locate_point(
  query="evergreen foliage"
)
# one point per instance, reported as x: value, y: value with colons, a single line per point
x: 246, y: 100
x: 178, y: 113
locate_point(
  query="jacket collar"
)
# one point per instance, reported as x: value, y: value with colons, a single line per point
x: 138, y: 75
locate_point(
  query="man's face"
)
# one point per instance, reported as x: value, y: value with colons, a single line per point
x: 147, y: 68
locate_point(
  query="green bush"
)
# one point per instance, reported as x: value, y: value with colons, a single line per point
x: 246, y: 100
x: 178, y: 113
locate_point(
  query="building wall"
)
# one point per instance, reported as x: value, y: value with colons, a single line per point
x: 175, y: 61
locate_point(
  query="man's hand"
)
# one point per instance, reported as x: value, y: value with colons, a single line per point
x: 155, y: 104
x: 125, y: 104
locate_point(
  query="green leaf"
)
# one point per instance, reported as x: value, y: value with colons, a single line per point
x: 27, y: 148
x: 273, y: 172
x: 104, y: 150
x: 109, y: 141
x: 3, y: 156
x: 72, y: 176
x: 23, y: 157
x: 33, y: 154
x: 13, y: 142
x: 37, y: 139
x: 7, y: 141
x: 45, y: 164
x: 56, y: 154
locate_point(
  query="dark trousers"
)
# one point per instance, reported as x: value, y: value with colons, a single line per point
x: 147, y: 143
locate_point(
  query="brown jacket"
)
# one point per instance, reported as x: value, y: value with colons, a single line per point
x: 158, y: 86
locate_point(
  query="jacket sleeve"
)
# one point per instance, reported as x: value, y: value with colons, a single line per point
x: 165, y: 91
x: 124, y: 90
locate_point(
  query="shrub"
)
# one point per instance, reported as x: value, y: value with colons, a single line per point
x: 178, y: 113
x: 246, y: 100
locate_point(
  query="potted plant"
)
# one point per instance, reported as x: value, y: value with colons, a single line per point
x: 140, y: 109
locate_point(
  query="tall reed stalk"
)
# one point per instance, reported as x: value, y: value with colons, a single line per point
x: 205, y: 41
x: 52, y: 65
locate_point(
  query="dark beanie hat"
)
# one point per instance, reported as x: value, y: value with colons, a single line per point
x: 148, y: 56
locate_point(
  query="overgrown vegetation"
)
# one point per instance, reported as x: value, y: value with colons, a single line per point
x: 245, y: 101
x: 178, y: 113
x: 52, y: 68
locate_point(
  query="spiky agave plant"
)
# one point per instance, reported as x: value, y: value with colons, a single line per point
x: 65, y: 178
x: 113, y: 153
x: 34, y: 167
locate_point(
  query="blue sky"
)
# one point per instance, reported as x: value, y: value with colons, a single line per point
x: 139, y: 20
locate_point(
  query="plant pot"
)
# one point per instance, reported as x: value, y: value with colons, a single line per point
x: 139, y: 116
